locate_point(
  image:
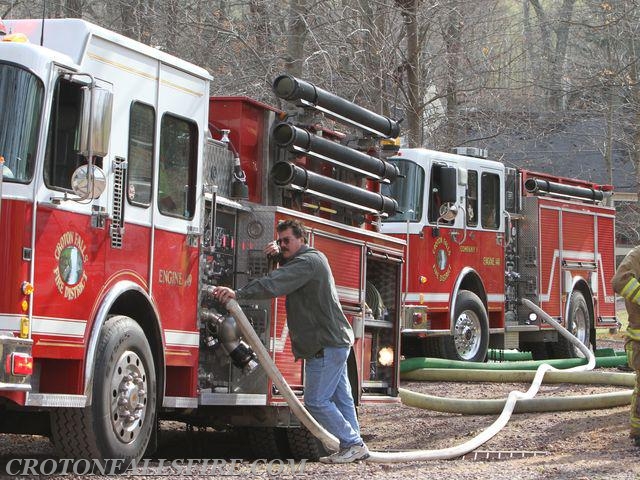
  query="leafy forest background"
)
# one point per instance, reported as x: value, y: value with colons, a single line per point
x: 548, y: 85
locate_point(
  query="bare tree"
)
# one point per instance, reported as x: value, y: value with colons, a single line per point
x: 554, y: 34
x: 411, y: 68
x: 452, y: 32
x: 297, y: 33
x: 72, y: 8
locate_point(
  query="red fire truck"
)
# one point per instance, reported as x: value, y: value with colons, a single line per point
x: 126, y: 194
x: 480, y: 237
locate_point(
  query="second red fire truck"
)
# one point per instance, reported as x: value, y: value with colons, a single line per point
x: 482, y: 236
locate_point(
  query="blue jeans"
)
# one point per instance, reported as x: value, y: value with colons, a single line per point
x: 327, y: 395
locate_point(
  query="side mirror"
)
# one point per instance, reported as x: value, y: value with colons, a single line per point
x: 88, y: 182
x: 448, y: 185
x: 95, y: 127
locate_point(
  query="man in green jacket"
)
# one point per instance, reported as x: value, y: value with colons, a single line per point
x: 320, y: 333
x: 625, y: 283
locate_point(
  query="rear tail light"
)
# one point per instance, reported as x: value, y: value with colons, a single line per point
x: 19, y: 364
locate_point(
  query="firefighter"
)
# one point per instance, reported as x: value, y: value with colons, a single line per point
x: 625, y: 283
x: 320, y: 333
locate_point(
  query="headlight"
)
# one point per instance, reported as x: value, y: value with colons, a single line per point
x: 385, y: 356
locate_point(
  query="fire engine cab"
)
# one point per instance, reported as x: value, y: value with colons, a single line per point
x: 126, y: 193
x: 480, y: 237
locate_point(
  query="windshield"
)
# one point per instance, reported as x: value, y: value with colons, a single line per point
x: 21, y: 95
x: 407, y: 190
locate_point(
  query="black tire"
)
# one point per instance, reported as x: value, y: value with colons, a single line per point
x: 470, y: 341
x: 579, y: 323
x: 266, y: 442
x: 413, y: 347
x: 539, y: 350
x: 304, y: 445
x: 433, y: 347
x: 421, y: 347
x: 121, y: 418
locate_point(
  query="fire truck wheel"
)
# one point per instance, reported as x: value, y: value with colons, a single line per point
x: 120, y: 420
x: 579, y: 324
x: 470, y: 341
x: 265, y: 442
x: 413, y: 347
x: 304, y: 445
x: 421, y: 347
x: 539, y: 350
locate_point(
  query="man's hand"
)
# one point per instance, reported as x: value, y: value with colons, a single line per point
x: 224, y: 294
x: 272, y: 249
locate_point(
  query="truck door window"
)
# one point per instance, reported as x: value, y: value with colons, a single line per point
x: 21, y: 95
x: 177, y: 172
x: 472, y: 198
x: 435, y: 196
x: 142, y: 120
x: 62, y: 157
x: 490, y: 185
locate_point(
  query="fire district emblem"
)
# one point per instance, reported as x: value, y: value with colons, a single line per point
x: 69, y: 274
x: 441, y: 252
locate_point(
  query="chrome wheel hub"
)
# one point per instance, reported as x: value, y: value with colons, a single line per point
x: 467, y: 335
x: 128, y: 397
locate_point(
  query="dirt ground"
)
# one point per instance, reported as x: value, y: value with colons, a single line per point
x: 574, y: 445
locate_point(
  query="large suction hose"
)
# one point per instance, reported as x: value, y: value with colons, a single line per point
x: 518, y: 356
x: 446, y: 453
x: 520, y: 376
x: 559, y: 363
x: 486, y: 406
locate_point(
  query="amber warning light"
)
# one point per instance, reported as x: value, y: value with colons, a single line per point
x: 19, y: 364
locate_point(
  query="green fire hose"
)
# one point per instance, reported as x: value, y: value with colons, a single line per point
x: 560, y: 363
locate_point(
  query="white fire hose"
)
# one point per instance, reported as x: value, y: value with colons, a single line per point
x: 417, y: 455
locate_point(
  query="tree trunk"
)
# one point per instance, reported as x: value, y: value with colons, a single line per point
x: 260, y: 22
x: 454, y: 49
x: 635, y: 103
x: 528, y: 36
x: 72, y: 9
x: 414, y: 99
x: 297, y: 35
x: 554, y: 57
x: 127, y: 20
x: 172, y: 26
x: 558, y: 68
x: 374, y: 23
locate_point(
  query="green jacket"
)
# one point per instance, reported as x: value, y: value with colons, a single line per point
x: 314, y: 315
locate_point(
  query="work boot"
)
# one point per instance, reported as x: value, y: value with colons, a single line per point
x: 354, y: 453
x: 636, y: 441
